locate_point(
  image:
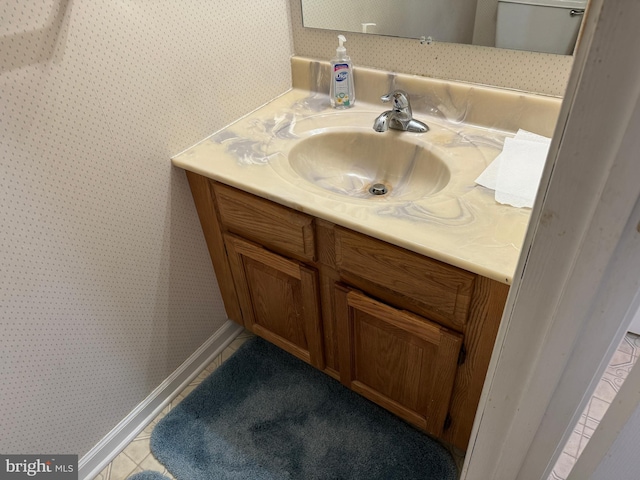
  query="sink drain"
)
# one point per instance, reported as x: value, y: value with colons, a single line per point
x: 378, y: 189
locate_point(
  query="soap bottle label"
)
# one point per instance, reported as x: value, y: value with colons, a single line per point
x: 342, y: 78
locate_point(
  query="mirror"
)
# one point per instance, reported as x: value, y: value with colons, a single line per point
x: 549, y: 26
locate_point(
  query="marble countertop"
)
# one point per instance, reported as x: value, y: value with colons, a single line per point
x: 461, y: 225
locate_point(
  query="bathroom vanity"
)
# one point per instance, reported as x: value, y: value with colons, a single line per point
x: 398, y: 298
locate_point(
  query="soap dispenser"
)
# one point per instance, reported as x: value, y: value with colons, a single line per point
x: 342, y: 91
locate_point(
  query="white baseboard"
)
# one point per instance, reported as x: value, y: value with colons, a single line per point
x: 117, y: 439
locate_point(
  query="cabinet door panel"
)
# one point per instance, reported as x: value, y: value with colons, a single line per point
x: 275, y: 301
x: 278, y: 298
x: 390, y: 369
x: 403, y: 362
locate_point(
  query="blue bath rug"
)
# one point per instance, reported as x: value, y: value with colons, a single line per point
x: 148, y: 475
x: 265, y: 415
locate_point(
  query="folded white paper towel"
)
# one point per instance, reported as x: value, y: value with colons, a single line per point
x: 515, y: 173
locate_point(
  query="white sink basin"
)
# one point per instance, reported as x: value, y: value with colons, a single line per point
x: 350, y: 162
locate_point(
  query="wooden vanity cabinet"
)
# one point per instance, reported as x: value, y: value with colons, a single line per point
x: 408, y: 332
x: 399, y: 360
x: 278, y: 298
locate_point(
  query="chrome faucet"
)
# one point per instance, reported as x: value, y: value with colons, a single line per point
x: 400, y: 118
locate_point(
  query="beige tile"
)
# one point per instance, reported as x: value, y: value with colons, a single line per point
x: 176, y: 401
x: 150, y: 463
x: 615, y: 374
x: 121, y: 467
x: 584, y: 440
x: 555, y: 476
x: 573, y: 445
x: 621, y: 357
x: 588, y: 433
x: 226, y: 353
x: 238, y: 342
x: 615, y: 377
x: 137, y: 470
x: 626, y: 346
x: 247, y: 334
x: 201, y: 378
x: 619, y: 369
x: 591, y: 423
x: 583, y: 444
x: 137, y: 450
x: 605, y: 390
x: 213, y: 365
x: 105, y: 472
x: 564, y: 465
x: 148, y: 429
x: 162, y: 414
x: 159, y: 417
x: 146, y: 433
x: 597, y: 409
x: 187, y: 390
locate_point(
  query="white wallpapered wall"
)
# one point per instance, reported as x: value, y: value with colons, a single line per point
x: 106, y: 286
x: 531, y: 72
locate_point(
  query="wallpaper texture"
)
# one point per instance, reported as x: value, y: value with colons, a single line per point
x: 541, y: 73
x: 106, y: 285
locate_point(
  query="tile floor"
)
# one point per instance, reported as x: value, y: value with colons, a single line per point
x: 137, y: 456
x: 618, y: 369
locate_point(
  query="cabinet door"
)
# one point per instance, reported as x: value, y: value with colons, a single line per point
x: 278, y: 298
x: 399, y: 360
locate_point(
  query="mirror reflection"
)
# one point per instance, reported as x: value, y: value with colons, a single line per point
x: 549, y: 26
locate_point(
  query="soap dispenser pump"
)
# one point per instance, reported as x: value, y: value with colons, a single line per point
x: 342, y: 91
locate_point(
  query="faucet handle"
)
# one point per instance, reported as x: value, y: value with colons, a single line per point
x: 400, y: 100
